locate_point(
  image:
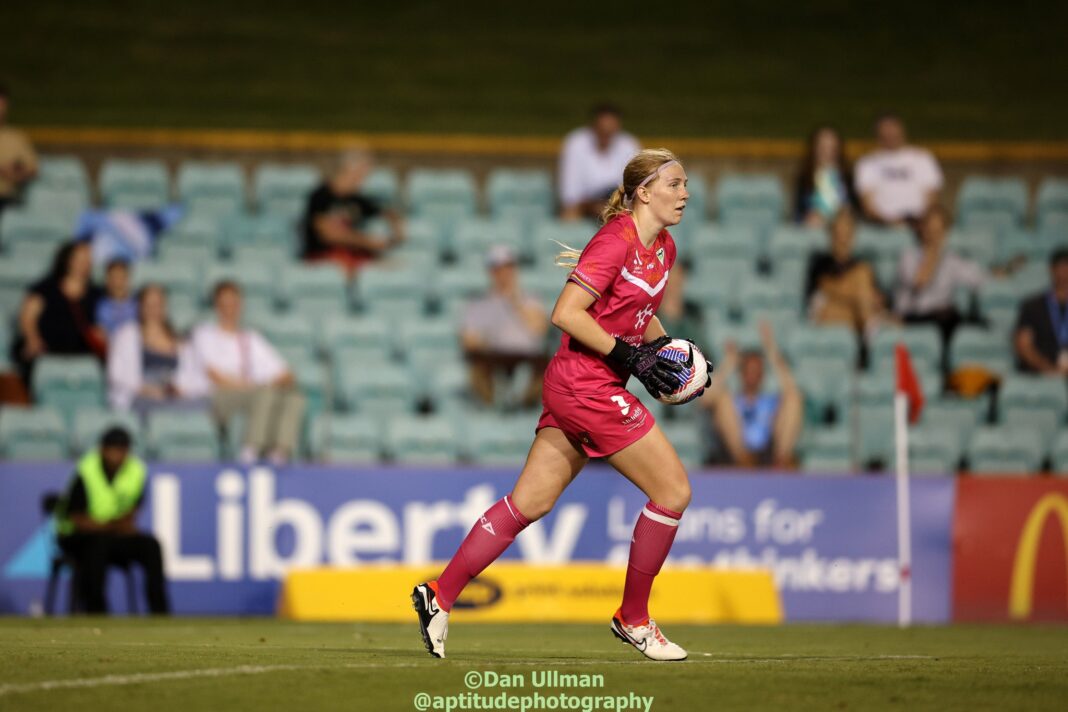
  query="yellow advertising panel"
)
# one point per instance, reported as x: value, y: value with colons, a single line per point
x: 517, y: 592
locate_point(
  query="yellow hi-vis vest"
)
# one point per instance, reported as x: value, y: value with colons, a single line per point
x: 107, y: 500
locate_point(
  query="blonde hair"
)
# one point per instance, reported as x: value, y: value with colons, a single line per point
x: 643, y: 165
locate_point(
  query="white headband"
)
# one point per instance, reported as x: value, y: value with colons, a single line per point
x: 628, y: 199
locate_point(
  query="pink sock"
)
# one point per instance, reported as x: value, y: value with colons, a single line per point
x: 653, y: 535
x: 487, y: 540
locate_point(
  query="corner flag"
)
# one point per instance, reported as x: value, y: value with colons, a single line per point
x: 907, y: 382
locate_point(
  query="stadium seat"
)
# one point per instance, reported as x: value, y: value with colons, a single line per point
x: 763, y: 298
x: 975, y: 243
x: 422, y: 440
x: 835, y: 345
x: 455, y: 286
x: 268, y: 232
x: 1059, y: 454
x: 475, y: 236
x: 545, y: 285
x: 448, y: 385
x: 62, y: 172
x: 203, y: 231
x: 19, y: 225
x: 711, y: 241
x: 384, y: 186
x: 180, y: 279
x: 63, y: 203
x: 794, y: 241
x: 744, y: 334
x: 422, y: 237
x: 1004, y: 450
x: 713, y: 296
x: 384, y: 290
x: 882, y: 243
x: 827, y: 387
x: 90, y: 424
x: 216, y: 188
x: 923, y: 342
x: 292, y: 334
x: 876, y: 446
x: 995, y: 202
x: 522, y: 195
x: 134, y: 185
x: 172, y: 251
x: 183, y: 436
x: 32, y: 434
x: 498, y: 440
x: 358, y: 338
x: 15, y: 276
x: 976, y: 346
x: 1033, y: 402
x: 697, y: 206
x: 315, y: 291
x: 754, y: 199
x: 827, y: 451
x: 728, y: 272
x: 258, y: 283
x: 422, y: 341
x: 1017, y: 242
x: 370, y: 388
x: 350, y: 439
x: 283, y: 189
x: 999, y: 302
x: 547, y: 236
x: 68, y: 383
x: 933, y: 450
x: 686, y: 437
x: 958, y: 416
x: 444, y: 195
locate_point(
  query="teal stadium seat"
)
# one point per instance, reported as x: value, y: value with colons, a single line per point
x: 976, y: 346
x: 876, y: 444
x: 134, y: 185
x: 752, y: 199
x: 990, y: 201
x: 22, y: 225
x: 525, y: 196
x: 933, y: 450
x: 267, y: 232
x: 501, y: 440
x: 795, y: 242
x: 384, y: 186
x: 448, y: 386
x: 212, y: 188
x: 975, y: 243
x: 727, y: 273
x: 959, y: 416
x: 180, y: 279
x: 283, y: 189
x: 474, y: 237
x: 183, y: 436
x: 882, y: 244
x: 832, y: 345
x: 348, y: 439
x: 90, y: 424
x: 68, y: 383
x: 362, y: 338
x: 15, y: 276
x: 827, y: 451
x: 1016, y: 242
x: 427, y: 341
x: 258, y: 282
x: 315, y: 291
x: 1005, y: 450
x: 686, y: 437
x: 292, y: 334
x: 32, y: 434
x: 764, y: 298
x: 455, y: 287
x: 1051, y: 201
x: 392, y: 291
x: 1059, y: 454
x: 712, y: 241
x: 547, y: 235
x: 62, y: 172
x: 422, y: 440
x: 66, y: 204
x: 999, y: 301
x: 447, y: 196
x: 923, y: 342
x: 371, y: 388
x: 1035, y: 402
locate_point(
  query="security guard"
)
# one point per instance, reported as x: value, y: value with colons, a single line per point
x: 95, y: 522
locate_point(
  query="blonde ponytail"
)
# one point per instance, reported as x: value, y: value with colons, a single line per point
x: 614, y: 206
x: 568, y: 257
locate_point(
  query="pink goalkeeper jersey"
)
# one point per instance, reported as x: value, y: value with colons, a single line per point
x: 627, y: 281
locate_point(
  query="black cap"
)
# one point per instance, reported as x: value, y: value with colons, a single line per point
x: 115, y: 437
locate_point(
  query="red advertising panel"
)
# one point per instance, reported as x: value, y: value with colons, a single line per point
x: 1010, y: 539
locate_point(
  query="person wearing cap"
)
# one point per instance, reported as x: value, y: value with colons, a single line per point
x: 503, y: 328
x: 96, y: 524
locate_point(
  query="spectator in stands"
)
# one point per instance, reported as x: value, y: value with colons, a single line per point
x: 678, y: 315
x: 117, y: 306
x: 592, y: 162
x: 336, y: 219
x: 840, y: 287
x: 897, y: 182
x: 56, y: 316
x: 929, y: 275
x: 1041, y: 337
x: 243, y: 374
x: 755, y: 427
x: 18, y: 160
x: 504, y: 329
x: 96, y: 520
x: 149, y: 367
x: 824, y: 183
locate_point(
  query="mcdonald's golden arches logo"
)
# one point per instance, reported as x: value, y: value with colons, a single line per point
x: 1022, y: 587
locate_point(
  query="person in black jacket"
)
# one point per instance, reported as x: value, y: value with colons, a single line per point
x: 1041, y: 336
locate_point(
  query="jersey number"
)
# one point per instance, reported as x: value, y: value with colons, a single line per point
x: 624, y: 406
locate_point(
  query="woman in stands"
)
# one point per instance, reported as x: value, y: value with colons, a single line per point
x: 824, y: 180
x: 606, y: 311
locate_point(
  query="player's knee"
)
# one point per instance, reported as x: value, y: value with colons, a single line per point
x: 536, y: 509
x: 678, y: 496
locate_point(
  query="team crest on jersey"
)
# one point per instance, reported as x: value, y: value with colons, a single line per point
x: 660, y: 255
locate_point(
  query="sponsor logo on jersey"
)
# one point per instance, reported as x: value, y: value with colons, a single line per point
x: 642, y: 316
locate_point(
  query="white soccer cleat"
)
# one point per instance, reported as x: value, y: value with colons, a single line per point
x: 647, y: 639
x: 433, y: 622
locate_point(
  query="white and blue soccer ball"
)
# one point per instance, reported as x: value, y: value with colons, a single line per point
x: 693, y: 376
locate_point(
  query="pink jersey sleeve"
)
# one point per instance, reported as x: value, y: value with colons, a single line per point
x: 600, y: 263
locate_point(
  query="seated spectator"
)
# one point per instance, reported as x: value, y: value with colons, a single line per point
x: 1041, y: 338
x: 755, y: 427
x: 56, y: 316
x: 592, y: 162
x: 678, y: 315
x: 96, y: 523
x: 335, y: 221
x: 503, y: 329
x: 897, y: 182
x: 18, y: 160
x: 929, y: 274
x: 840, y: 287
x: 148, y: 366
x: 824, y: 183
x: 116, y: 306
x: 243, y: 374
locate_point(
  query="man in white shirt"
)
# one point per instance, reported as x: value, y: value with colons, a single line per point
x: 243, y: 373
x: 897, y: 182
x: 592, y: 162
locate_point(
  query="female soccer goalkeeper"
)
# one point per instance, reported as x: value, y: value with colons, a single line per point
x: 606, y: 311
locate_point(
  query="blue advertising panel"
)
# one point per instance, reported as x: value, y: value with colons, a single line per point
x: 229, y: 534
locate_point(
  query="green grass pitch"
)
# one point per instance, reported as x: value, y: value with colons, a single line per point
x: 260, y: 664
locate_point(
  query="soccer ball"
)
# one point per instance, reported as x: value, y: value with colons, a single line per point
x: 692, y: 378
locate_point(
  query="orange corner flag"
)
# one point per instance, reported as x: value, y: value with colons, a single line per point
x: 907, y: 382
